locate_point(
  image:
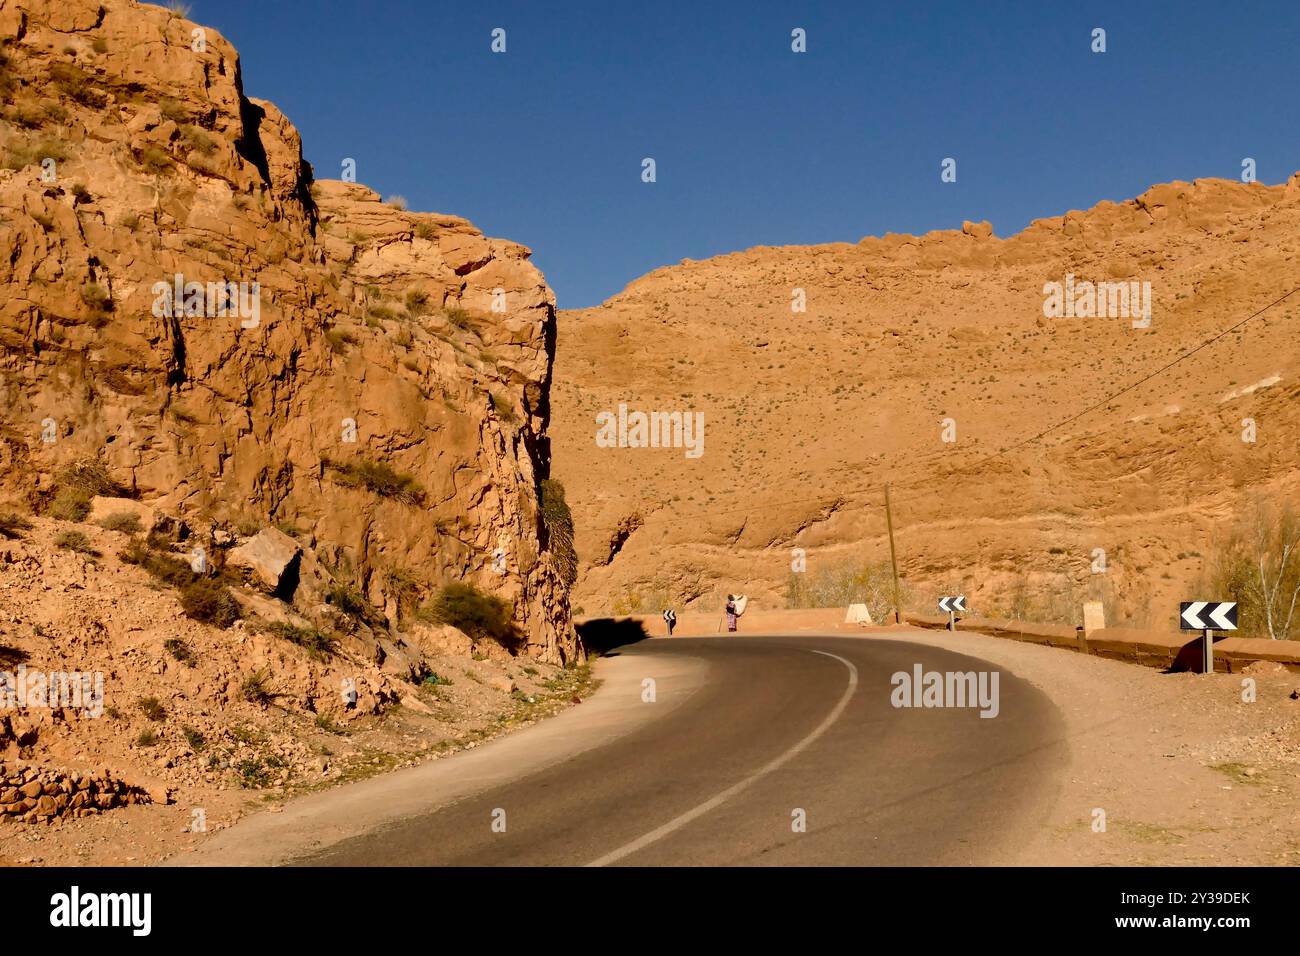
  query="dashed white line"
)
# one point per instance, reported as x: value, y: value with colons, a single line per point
x: 714, y: 802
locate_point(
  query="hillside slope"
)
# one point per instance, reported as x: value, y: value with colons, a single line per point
x: 808, y: 414
x: 382, y: 394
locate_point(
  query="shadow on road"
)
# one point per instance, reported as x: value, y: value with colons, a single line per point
x: 603, y: 634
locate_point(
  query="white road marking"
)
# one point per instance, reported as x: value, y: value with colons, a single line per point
x: 713, y: 803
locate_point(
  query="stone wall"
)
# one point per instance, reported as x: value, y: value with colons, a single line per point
x: 34, y: 793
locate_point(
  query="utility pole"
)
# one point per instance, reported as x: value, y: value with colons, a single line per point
x: 893, y: 556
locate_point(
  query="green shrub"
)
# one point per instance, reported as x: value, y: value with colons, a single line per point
x: 155, y: 160
x: 327, y: 723
x: 256, y: 688
x: 198, y: 141
x: 378, y: 477
x: 481, y: 616
x: 76, y: 485
x: 458, y: 317
x: 75, y: 541
x: 172, y: 110
x: 148, y: 737
x: 417, y: 301
x: 426, y: 230
x: 195, y: 739
x: 558, y: 520
x: 848, y: 582
x: 152, y: 708
x: 12, y: 525
x: 1256, y: 563
x: 318, y: 644
x: 404, y: 588
x: 502, y: 407
x: 253, y: 773
x: 71, y: 80
x: 179, y: 650
x: 20, y: 155
x: 69, y: 505
x: 206, y: 600
x: 338, y: 340
x: 123, y: 521
x: 353, y: 603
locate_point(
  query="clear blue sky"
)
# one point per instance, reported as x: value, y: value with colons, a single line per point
x: 758, y: 145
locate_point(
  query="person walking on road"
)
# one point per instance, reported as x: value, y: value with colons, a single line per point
x: 731, y: 613
x: 670, y: 618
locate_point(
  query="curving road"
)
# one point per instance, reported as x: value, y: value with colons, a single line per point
x: 743, y: 733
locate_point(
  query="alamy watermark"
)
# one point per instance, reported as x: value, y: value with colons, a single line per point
x: 626, y: 429
x: 75, y: 690
x: 923, y: 688
x: 213, y: 299
x: 1093, y: 300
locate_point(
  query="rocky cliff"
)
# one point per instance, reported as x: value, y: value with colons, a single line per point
x: 192, y: 319
x: 823, y: 372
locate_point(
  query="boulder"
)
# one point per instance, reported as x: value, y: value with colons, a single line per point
x: 272, y: 557
x: 502, y: 683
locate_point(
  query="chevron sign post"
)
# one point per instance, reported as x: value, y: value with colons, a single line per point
x: 950, y: 606
x: 1205, y: 616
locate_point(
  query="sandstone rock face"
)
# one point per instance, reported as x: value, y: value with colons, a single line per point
x: 375, y: 378
x: 808, y: 413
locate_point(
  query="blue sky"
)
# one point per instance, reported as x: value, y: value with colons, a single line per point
x: 757, y: 145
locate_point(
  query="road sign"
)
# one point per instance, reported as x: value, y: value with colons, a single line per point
x: 1207, y: 615
x: 950, y: 604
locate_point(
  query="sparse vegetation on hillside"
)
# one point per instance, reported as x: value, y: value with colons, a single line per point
x: 847, y: 582
x: 77, y: 484
x: 1257, y: 564
x: 502, y: 407
x: 12, y: 525
x: 653, y: 599
x: 318, y: 644
x: 22, y: 153
x: 203, y: 597
x: 378, y: 477
x: 75, y: 541
x: 354, y: 604
x: 481, y: 616
x: 558, y: 519
x: 458, y: 317
x: 417, y: 301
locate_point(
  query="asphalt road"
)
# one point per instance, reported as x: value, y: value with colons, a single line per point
x: 780, y: 725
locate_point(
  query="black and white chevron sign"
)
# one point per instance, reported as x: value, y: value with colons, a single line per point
x: 950, y: 604
x: 1207, y: 615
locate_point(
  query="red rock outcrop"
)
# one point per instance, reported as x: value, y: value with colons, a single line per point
x: 383, y: 391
